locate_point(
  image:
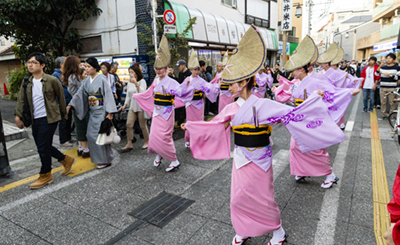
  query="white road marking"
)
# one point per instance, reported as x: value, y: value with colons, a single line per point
x: 327, y: 218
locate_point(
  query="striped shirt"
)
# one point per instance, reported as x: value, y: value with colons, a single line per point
x: 389, y: 81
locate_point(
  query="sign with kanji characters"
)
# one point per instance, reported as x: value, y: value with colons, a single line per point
x: 169, y: 29
x: 169, y: 17
x: 286, y: 23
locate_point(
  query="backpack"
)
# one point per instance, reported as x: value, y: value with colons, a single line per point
x: 26, y: 113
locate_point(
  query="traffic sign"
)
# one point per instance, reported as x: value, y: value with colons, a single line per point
x: 169, y: 17
x: 168, y: 29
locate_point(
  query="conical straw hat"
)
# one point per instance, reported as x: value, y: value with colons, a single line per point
x: 303, y: 55
x: 329, y: 55
x: 339, y: 57
x: 193, y: 60
x: 247, y: 58
x: 163, y: 57
x: 225, y: 59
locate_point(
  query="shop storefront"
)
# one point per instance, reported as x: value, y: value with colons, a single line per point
x: 212, y: 34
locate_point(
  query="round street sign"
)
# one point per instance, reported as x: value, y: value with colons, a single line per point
x: 169, y: 17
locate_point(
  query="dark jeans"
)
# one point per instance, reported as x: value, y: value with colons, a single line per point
x: 64, y: 129
x: 377, y: 97
x: 368, y: 94
x: 43, y: 135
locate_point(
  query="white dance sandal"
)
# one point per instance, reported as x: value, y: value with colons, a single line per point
x: 239, y: 240
x: 342, y: 126
x: 187, y: 145
x: 173, y: 165
x: 279, y: 236
x: 329, y: 181
x: 157, y: 161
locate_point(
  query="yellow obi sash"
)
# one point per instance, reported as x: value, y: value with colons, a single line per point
x: 163, y: 100
x: 298, y: 101
x: 224, y: 86
x: 248, y: 135
x: 198, y: 95
x: 96, y: 99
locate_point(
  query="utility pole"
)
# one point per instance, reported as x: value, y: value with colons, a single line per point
x: 154, y: 25
x: 284, y: 43
x: 310, y: 3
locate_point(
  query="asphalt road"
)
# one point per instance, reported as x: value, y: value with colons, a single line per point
x: 92, y: 207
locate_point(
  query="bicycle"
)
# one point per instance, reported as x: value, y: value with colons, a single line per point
x: 394, y: 117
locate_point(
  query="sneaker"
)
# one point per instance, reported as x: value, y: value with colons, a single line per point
x: 378, y: 107
x: 44, y: 179
x: 72, y: 140
x: 66, y: 144
x: 365, y: 111
x: 101, y: 166
x: 381, y: 118
x: 80, y: 152
x: 238, y: 240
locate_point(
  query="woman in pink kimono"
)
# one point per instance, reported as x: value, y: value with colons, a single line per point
x: 262, y: 81
x: 317, y: 162
x: 225, y: 97
x: 254, y: 211
x: 159, y: 102
x: 192, y: 90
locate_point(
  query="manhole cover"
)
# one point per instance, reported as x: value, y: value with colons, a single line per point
x: 160, y: 210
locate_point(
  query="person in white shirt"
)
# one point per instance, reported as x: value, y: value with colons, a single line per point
x: 369, y: 84
x: 136, y: 85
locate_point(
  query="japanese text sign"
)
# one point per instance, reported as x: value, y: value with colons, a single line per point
x: 287, y: 13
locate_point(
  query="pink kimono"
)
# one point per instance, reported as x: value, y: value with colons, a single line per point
x: 317, y: 162
x: 262, y: 81
x: 195, y: 108
x: 254, y: 211
x: 162, y: 124
x: 225, y: 97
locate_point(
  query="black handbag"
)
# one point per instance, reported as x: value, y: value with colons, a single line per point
x: 26, y: 113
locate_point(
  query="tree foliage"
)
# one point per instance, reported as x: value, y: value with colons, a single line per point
x: 44, y: 25
x: 15, y: 78
x: 176, y: 42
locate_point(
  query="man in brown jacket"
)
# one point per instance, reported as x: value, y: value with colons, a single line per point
x: 42, y: 93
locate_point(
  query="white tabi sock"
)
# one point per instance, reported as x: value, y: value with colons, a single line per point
x: 158, y: 158
x: 86, y: 150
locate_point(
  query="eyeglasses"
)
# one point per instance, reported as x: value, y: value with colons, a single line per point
x: 32, y: 62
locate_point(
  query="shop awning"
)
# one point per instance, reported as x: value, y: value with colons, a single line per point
x: 385, y: 45
x: 214, y: 29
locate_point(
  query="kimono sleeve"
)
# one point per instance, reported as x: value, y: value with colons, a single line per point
x: 146, y: 99
x: 283, y: 93
x: 310, y: 125
x: 211, y: 90
x: 211, y: 140
x: 108, y: 97
x: 80, y: 102
x: 185, y: 92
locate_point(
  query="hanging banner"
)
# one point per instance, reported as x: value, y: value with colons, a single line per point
x: 286, y: 23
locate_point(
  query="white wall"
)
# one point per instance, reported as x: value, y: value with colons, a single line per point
x: 216, y: 7
x: 106, y: 26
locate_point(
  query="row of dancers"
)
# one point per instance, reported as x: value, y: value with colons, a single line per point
x: 321, y: 99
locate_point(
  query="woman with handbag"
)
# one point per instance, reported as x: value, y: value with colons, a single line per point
x: 95, y: 95
x: 72, y: 79
x: 136, y: 85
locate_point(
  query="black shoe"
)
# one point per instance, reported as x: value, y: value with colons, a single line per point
x: 80, y: 152
x: 134, y: 140
x: 141, y: 135
x: 86, y: 154
x: 124, y: 150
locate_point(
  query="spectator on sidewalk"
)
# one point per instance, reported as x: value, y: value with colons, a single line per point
x: 208, y: 103
x: 72, y: 78
x: 389, y: 76
x: 347, y: 68
x: 203, y: 70
x: 136, y: 85
x: 64, y: 128
x: 369, y: 84
x: 276, y: 72
x: 219, y: 69
x: 42, y: 93
x: 105, y: 69
x: 119, y: 85
x: 184, y: 72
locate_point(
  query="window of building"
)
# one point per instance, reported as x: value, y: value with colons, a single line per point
x: 232, y: 3
x: 92, y: 45
x: 340, y: 17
